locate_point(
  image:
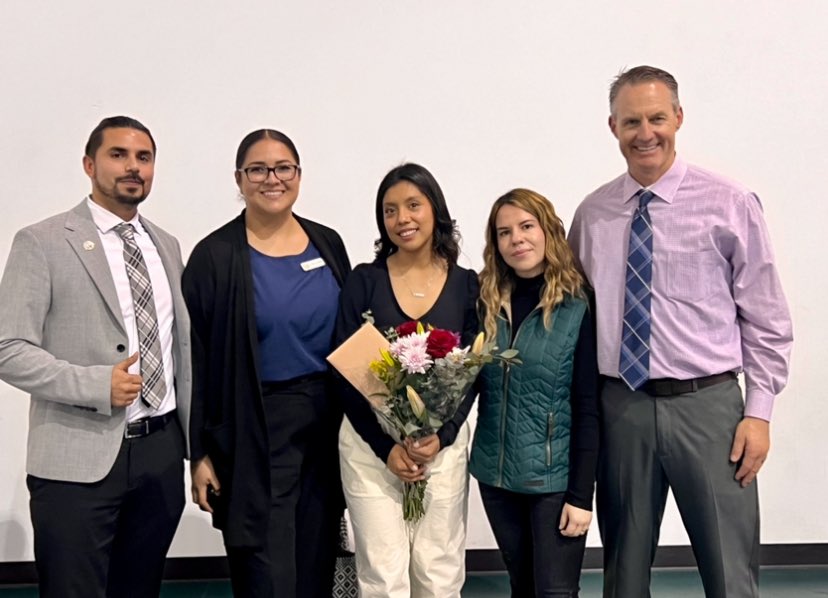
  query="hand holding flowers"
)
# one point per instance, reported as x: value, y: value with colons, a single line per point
x: 426, y: 375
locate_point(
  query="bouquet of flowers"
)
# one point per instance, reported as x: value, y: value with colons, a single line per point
x: 427, y: 374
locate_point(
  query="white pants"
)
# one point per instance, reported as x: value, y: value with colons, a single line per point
x: 395, y: 558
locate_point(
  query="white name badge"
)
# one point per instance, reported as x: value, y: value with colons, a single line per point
x: 312, y: 264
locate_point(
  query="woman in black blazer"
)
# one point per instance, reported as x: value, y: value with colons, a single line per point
x: 262, y: 292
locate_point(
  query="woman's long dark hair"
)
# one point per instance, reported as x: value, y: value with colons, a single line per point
x: 446, y: 238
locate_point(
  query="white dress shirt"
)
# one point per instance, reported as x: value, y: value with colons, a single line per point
x: 113, y: 246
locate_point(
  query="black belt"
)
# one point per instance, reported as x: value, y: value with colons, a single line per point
x: 147, y: 425
x: 666, y: 387
x: 271, y: 386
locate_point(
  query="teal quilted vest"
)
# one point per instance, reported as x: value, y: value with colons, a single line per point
x: 521, y: 442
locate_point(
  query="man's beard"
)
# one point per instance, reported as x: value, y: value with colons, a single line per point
x: 129, y: 200
x: 123, y: 198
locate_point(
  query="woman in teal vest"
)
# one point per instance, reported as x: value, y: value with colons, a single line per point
x: 536, y: 442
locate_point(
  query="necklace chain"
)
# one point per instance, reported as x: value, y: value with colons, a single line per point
x: 420, y: 294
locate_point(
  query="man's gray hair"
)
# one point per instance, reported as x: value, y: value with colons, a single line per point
x: 643, y: 74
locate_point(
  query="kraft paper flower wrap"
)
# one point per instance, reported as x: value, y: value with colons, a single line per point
x: 426, y: 375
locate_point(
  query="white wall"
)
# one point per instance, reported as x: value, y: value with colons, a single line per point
x: 489, y: 95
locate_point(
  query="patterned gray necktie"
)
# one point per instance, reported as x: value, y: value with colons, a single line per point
x: 154, y: 385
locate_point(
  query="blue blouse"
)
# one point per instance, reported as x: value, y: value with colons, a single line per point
x: 296, y: 299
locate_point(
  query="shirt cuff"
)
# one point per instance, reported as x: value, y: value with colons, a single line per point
x: 758, y: 404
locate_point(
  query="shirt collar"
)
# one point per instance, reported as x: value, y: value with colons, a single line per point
x: 665, y: 188
x: 106, y: 220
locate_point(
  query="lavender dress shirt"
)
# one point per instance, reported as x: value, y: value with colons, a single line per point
x: 717, y: 302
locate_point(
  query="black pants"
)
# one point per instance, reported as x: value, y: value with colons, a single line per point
x: 305, y: 498
x: 110, y: 538
x: 540, y: 561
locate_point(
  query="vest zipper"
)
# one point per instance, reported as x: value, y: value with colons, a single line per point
x: 550, y: 426
x: 502, y: 455
x: 506, y: 370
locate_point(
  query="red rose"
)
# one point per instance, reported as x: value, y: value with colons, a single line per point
x: 407, y: 328
x: 441, y: 342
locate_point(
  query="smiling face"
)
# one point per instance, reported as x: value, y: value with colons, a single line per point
x: 645, y: 120
x: 121, y: 170
x: 521, y: 241
x: 408, y: 217
x: 272, y: 197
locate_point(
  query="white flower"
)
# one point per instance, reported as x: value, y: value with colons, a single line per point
x: 457, y: 356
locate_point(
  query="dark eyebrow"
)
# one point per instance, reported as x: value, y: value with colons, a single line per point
x: 263, y: 163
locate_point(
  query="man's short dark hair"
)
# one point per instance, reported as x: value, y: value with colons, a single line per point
x: 643, y: 74
x: 114, y: 122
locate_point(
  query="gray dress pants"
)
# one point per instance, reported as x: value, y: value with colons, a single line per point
x: 681, y: 442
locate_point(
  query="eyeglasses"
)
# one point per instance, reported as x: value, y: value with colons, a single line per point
x: 283, y: 172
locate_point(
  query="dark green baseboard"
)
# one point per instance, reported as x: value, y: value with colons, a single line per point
x: 215, y: 567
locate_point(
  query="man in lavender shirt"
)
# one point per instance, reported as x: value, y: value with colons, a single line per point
x: 717, y: 309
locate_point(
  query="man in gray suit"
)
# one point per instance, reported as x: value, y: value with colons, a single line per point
x: 93, y: 326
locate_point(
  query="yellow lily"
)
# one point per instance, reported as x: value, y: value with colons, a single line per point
x: 479, y: 341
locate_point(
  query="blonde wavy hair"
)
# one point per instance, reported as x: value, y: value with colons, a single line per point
x: 497, y: 280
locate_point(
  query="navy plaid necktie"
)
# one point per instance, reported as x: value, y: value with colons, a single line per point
x: 153, y: 382
x: 634, y: 363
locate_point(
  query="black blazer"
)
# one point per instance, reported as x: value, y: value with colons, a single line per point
x: 227, y: 420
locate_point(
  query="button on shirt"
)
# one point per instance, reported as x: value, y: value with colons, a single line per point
x: 113, y: 247
x: 717, y: 303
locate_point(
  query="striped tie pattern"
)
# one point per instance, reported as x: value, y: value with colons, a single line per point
x: 154, y: 385
x: 634, y: 362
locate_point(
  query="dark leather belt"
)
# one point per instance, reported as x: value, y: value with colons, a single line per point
x: 667, y: 387
x: 147, y: 425
x: 271, y: 386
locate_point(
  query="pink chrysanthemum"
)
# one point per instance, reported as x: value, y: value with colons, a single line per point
x: 411, y: 352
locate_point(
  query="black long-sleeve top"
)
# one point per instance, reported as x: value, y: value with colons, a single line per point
x: 369, y: 288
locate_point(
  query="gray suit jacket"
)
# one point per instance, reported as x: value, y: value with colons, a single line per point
x: 61, y: 331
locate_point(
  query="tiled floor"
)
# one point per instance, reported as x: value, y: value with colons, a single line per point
x: 780, y: 582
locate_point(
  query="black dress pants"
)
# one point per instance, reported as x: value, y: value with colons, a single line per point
x: 306, y: 501
x: 110, y: 538
x: 540, y: 561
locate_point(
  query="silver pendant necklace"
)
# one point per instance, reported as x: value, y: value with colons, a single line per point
x: 420, y: 294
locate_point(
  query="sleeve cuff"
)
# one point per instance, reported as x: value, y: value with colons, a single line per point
x: 758, y: 404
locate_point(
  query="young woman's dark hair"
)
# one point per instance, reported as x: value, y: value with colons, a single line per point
x: 258, y: 135
x: 446, y: 240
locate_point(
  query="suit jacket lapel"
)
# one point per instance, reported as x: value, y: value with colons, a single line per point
x: 82, y: 236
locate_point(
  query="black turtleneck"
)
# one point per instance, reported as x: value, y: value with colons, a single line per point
x: 525, y: 297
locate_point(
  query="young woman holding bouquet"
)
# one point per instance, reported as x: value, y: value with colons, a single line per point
x: 536, y: 441
x: 262, y: 293
x: 414, y: 276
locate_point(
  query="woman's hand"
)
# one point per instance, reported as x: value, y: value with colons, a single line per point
x: 403, y: 466
x: 574, y: 521
x: 423, y: 450
x: 204, y: 481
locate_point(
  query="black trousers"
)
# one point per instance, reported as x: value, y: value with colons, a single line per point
x: 110, y: 538
x: 540, y: 561
x: 306, y: 501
